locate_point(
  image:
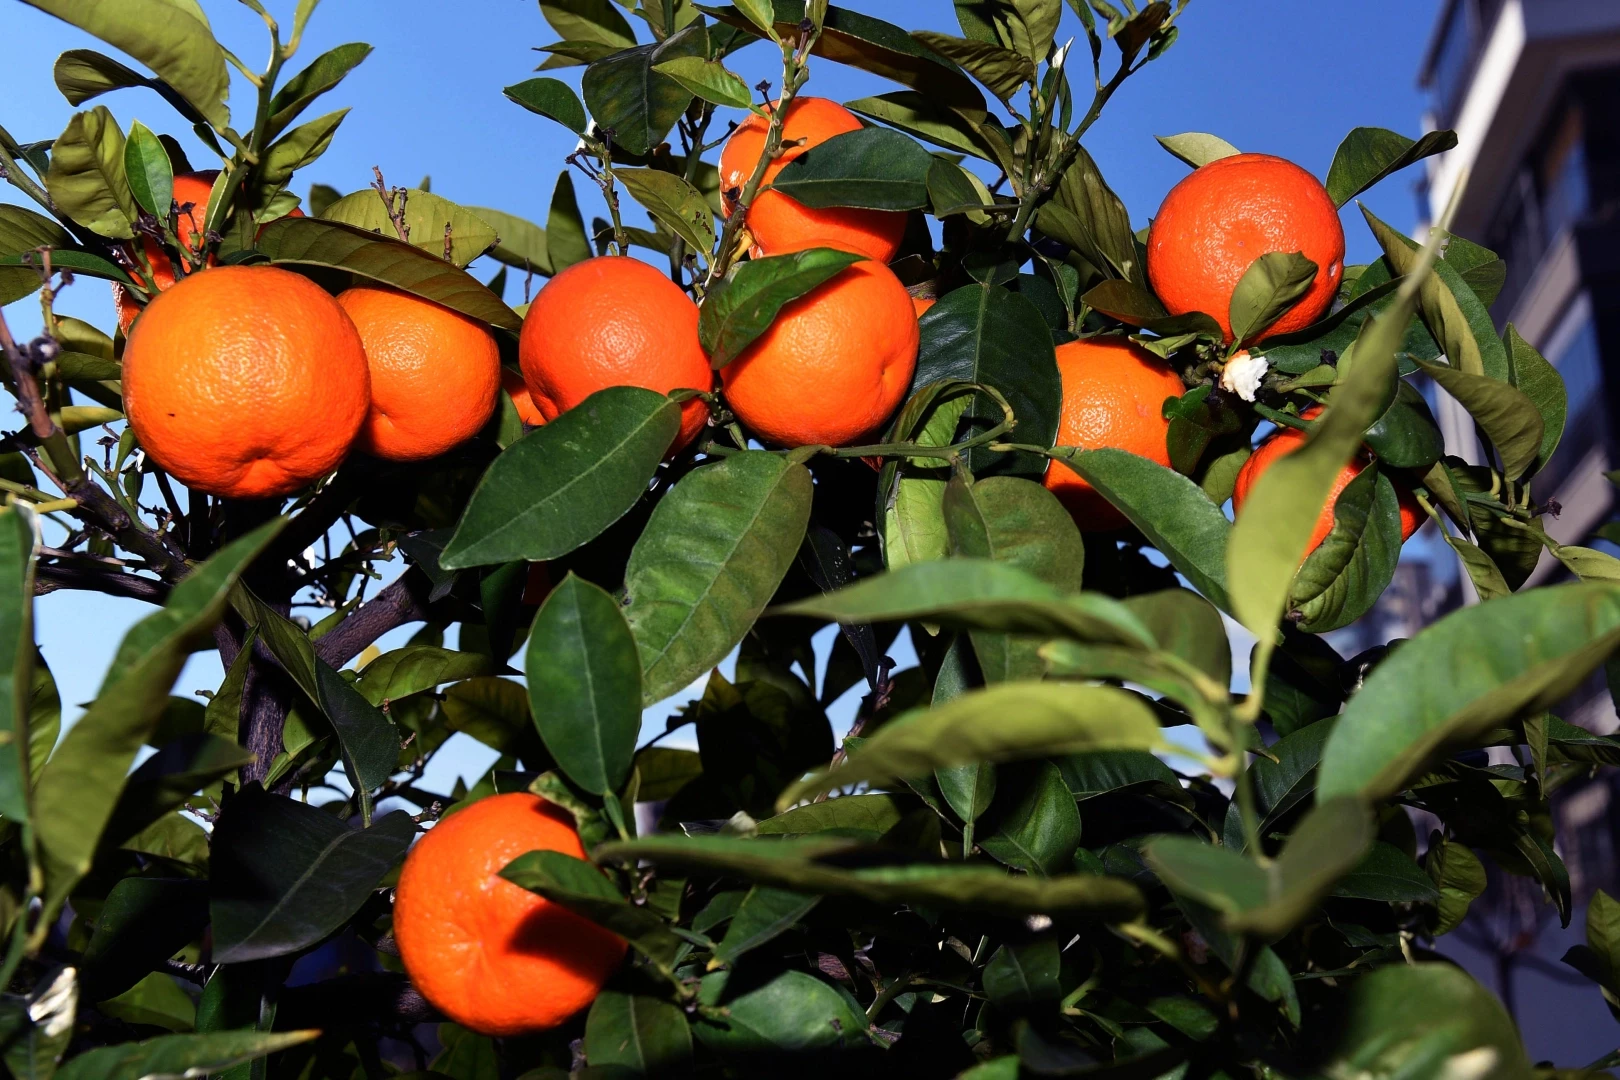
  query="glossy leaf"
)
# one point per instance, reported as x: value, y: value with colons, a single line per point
x: 1170, y: 509
x: 551, y: 98
x: 921, y: 116
x: 1368, y: 154
x: 585, y: 685
x: 875, y: 168
x: 166, y: 37
x: 1268, y: 288
x: 1544, y: 386
x: 564, y: 482
x: 1007, y: 722
x: 1017, y: 976
x: 765, y: 913
x: 913, y: 492
x: 624, y: 92
x: 866, y: 815
x: 284, y: 874
x: 163, y: 782
x: 75, y: 793
x: 1002, y: 71
x: 178, y: 1055
x: 82, y: 74
x: 1344, y: 577
x: 23, y: 230
x: 1104, y: 236
x: 16, y: 663
x: 745, y: 305
x: 1196, y: 148
x: 646, y: 1035
x: 1389, y: 875
x: 426, y: 216
x: 86, y: 180
x: 415, y: 668
x: 519, y: 243
x: 985, y: 334
x: 801, y: 865
x: 567, y: 242
x: 1471, y: 671
x: 588, y: 20
x: 146, y: 166
x: 1035, y: 825
x: 708, y: 80
x: 322, y: 74
x: 338, y: 246
x: 793, y: 1013
x: 1507, y: 417
x: 580, y: 887
x: 711, y: 557
x: 1458, y: 877
x: 679, y: 206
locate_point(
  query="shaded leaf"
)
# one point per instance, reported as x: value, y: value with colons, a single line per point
x: 178, y: 1055
x: 743, y: 307
x: 551, y: 98
x: 679, y: 206
x: 875, y: 168
x: 322, y: 74
x: 86, y: 180
x: 1369, y: 154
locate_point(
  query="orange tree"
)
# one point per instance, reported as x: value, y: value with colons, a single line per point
x: 1008, y: 879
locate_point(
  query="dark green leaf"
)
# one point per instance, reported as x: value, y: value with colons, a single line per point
x: 1035, y: 825
x: 322, y: 74
x: 765, y: 913
x: 793, y: 1013
x: 1103, y: 226
x: 1389, y: 875
x: 315, y: 242
x: 675, y: 204
x: 921, y: 116
x: 551, y: 98
x: 709, y: 561
x: 82, y: 74
x: 1344, y: 577
x: 284, y: 874
x: 178, y: 1055
x: 1268, y: 288
x: 588, y: 20
x: 564, y: 482
x: 875, y: 168
x: 1003, y: 71
x: 1196, y: 148
x: 143, y: 922
x: 585, y: 685
x: 1018, y: 976
x: 17, y: 657
x: 166, y: 37
x: 1505, y: 414
x: 1406, y: 436
x: 1458, y: 877
x: 86, y: 180
x: 640, y: 105
x: 164, y: 781
x: 146, y: 165
x: 1368, y: 154
x: 743, y: 307
x: 581, y: 888
x: 1186, y: 624
x: 869, y: 815
x: 1540, y: 382
x: 567, y: 242
x: 1470, y: 672
x: 644, y: 1034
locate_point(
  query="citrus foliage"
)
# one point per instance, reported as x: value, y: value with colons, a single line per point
x: 1009, y: 880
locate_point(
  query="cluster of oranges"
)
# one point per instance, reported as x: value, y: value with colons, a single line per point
x: 250, y: 382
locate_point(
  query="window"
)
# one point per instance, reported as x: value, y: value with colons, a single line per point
x: 1448, y: 73
x: 1574, y: 351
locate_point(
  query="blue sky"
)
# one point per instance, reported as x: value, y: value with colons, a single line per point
x: 1274, y: 76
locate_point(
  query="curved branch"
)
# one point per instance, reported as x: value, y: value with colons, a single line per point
x: 403, y: 601
x: 49, y: 579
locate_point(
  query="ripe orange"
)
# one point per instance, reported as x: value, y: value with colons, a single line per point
x: 922, y: 304
x: 613, y: 321
x: 512, y: 382
x: 834, y: 365
x: 435, y: 373
x: 1284, y: 442
x: 492, y: 956
x: 245, y: 381
x: 1229, y: 213
x: 1113, y: 395
x: 781, y: 224
x: 190, y: 189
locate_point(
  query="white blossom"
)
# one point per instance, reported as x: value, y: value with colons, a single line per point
x: 1243, y: 373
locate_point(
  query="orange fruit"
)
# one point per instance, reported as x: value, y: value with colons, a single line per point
x: 189, y: 188
x: 922, y: 304
x: 245, y: 382
x: 1227, y: 214
x: 492, y: 956
x: 781, y: 224
x: 512, y: 382
x: 1284, y: 442
x: 435, y: 373
x: 834, y: 365
x: 1113, y: 395
x: 613, y: 321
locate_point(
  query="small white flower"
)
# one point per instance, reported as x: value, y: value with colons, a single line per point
x: 1243, y: 373
x: 1060, y: 55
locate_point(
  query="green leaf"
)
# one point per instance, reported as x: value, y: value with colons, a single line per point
x: 16, y: 663
x: 743, y: 307
x: 912, y: 492
x: 1216, y: 876
x: 567, y: 242
x: 873, y: 168
x: 588, y: 20
x: 179, y: 1055
x: 86, y: 180
x: 1464, y: 675
x: 585, y: 685
x: 551, y: 98
x: 1344, y: 577
x: 644, y: 1034
x: 1267, y: 290
x: 1187, y: 625
x: 581, y: 888
x: 22, y: 230
x: 142, y: 923
x: 1035, y: 824
x: 761, y: 13
x: 1196, y: 148
x: 793, y: 1013
x: 426, y: 217
x: 1455, y: 315
x: 1427, y: 1019
x: 1003, y: 71
x: 164, y: 781
x: 520, y: 243
x: 415, y: 668
x: 338, y: 246
x: 977, y: 594
x: 639, y: 104
x: 1505, y: 414
x: 1388, y: 875
x: 82, y: 74
x: 707, y: 79
x: 323, y: 73
x: 1458, y: 877
x: 166, y: 37
x: 709, y: 561
x: 921, y: 116
x: 679, y: 206
x: 304, y: 144
x: 1540, y: 382
x: 801, y: 865
x: 146, y: 165
x: 987, y: 335
x: 867, y: 815
x: 1368, y: 154
x: 284, y: 874
x: 1104, y: 233
x: 1406, y: 436
x: 564, y: 482
x: 1023, y: 975
x: 1170, y: 509
x: 765, y: 913
x: 155, y: 1001
x: 76, y: 791
x: 1007, y: 722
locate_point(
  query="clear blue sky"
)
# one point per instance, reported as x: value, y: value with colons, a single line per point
x: 1278, y: 76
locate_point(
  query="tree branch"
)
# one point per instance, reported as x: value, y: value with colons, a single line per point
x: 404, y: 601
x: 49, y: 579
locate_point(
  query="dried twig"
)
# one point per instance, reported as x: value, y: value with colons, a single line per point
x: 391, y: 196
